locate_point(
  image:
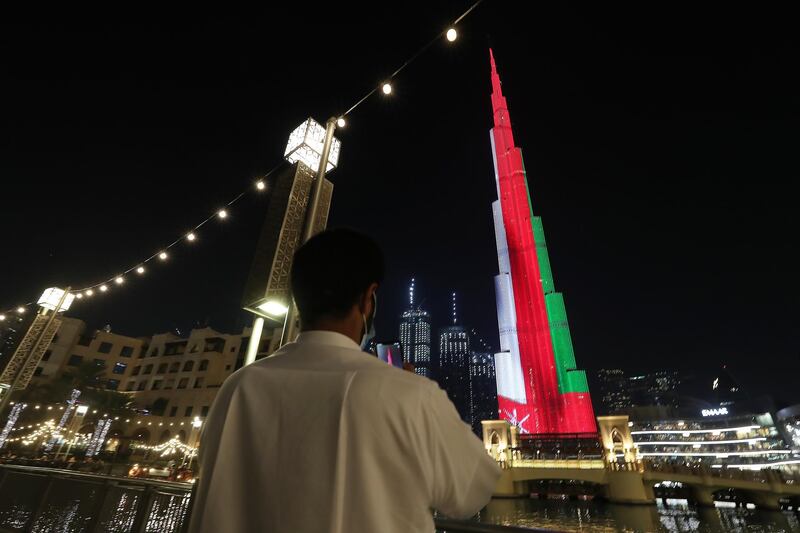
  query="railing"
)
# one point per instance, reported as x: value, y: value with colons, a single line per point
x: 592, y: 464
x: 34, y: 499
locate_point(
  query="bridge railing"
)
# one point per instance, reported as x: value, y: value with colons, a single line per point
x: 51, y: 499
x: 593, y: 464
x: 762, y: 476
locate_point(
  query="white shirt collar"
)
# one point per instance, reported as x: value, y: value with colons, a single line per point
x: 330, y: 338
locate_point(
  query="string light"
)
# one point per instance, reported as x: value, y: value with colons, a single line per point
x: 20, y: 309
x: 119, y: 280
x: 386, y: 87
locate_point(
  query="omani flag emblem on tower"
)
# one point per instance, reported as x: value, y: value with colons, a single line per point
x: 539, y: 388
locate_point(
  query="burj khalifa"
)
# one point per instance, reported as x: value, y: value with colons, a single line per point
x: 539, y: 388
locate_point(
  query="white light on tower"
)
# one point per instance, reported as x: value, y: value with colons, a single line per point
x: 452, y: 34
x: 50, y: 298
x: 274, y: 308
x: 305, y: 145
x: 387, y: 88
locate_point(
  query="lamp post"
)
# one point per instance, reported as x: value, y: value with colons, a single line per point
x: 311, y: 216
x: 55, y: 300
x: 300, y: 196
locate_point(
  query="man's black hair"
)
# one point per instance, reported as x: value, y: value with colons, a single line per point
x: 332, y: 270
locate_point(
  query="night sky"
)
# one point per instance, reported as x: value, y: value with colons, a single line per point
x: 660, y: 148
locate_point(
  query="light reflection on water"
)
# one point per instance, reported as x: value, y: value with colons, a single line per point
x: 582, y: 516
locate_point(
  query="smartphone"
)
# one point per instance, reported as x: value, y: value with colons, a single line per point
x: 391, y: 352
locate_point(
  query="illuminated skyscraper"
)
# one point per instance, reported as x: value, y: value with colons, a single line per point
x: 538, y: 386
x: 415, y: 335
x: 453, y: 372
x: 482, y: 389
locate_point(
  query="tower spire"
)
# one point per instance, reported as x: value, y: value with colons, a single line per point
x: 499, y: 106
x: 455, y: 316
x: 411, y: 294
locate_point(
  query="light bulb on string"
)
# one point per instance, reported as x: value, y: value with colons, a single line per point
x: 2, y: 317
x: 387, y: 88
x: 20, y: 309
x: 190, y: 236
x: 163, y: 256
x: 79, y: 296
x: 90, y: 292
x: 260, y: 185
x: 340, y: 122
x: 222, y: 214
x: 452, y: 34
x: 103, y: 288
x: 140, y: 270
x: 119, y: 280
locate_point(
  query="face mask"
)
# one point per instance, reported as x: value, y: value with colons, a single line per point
x: 369, y: 324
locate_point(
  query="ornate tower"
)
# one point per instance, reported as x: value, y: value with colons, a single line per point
x: 538, y: 387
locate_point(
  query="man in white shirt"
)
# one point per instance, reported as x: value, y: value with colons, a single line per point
x: 323, y: 437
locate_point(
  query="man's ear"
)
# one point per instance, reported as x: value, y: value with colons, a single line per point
x: 366, y: 302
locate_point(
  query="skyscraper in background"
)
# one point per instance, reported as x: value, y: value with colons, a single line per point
x: 454, y: 359
x: 539, y: 387
x: 482, y: 389
x: 415, y: 335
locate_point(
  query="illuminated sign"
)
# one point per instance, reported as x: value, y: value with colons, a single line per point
x: 714, y: 412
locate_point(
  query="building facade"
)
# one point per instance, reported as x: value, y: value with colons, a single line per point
x: 415, y: 336
x: 482, y: 389
x: 453, y: 372
x: 170, y: 380
x: 539, y: 388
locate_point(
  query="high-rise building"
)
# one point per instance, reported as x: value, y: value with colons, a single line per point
x: 482, y: 389
x: 415, y: 336
x: 614, y: 393
x: 538, y: 385
x: 453, y: 372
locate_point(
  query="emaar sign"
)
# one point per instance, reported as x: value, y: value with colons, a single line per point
x: 715, y: 412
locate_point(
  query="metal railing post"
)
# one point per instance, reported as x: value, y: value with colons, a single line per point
x: 143, y: 510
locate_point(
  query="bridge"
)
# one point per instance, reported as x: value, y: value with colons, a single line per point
x: 620, y: 477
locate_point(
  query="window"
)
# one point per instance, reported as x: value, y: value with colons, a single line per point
x: 162, y: 368
x: 198, y: 383
x: 105, y: 347
x: 143, y: 352
x: 38, y: 371
x: 142, y: 385
x: 112, y: 384
x: 188, y: 411
x: 75, y: 360
x: 156, y: 384
x: 174, y: 367
x: 99, y: 363
x: 173, y: 410
x: 131, y: 385
x: 119, y: 368
x: 204, y: 411
x: 170, y: 384
x: 127, y: 351
x: 188, y: 366
x: 203, y: 365
x: 183, y: 382
x: 135, y: 371
x: 148, y: 369
x: 47, y: 354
